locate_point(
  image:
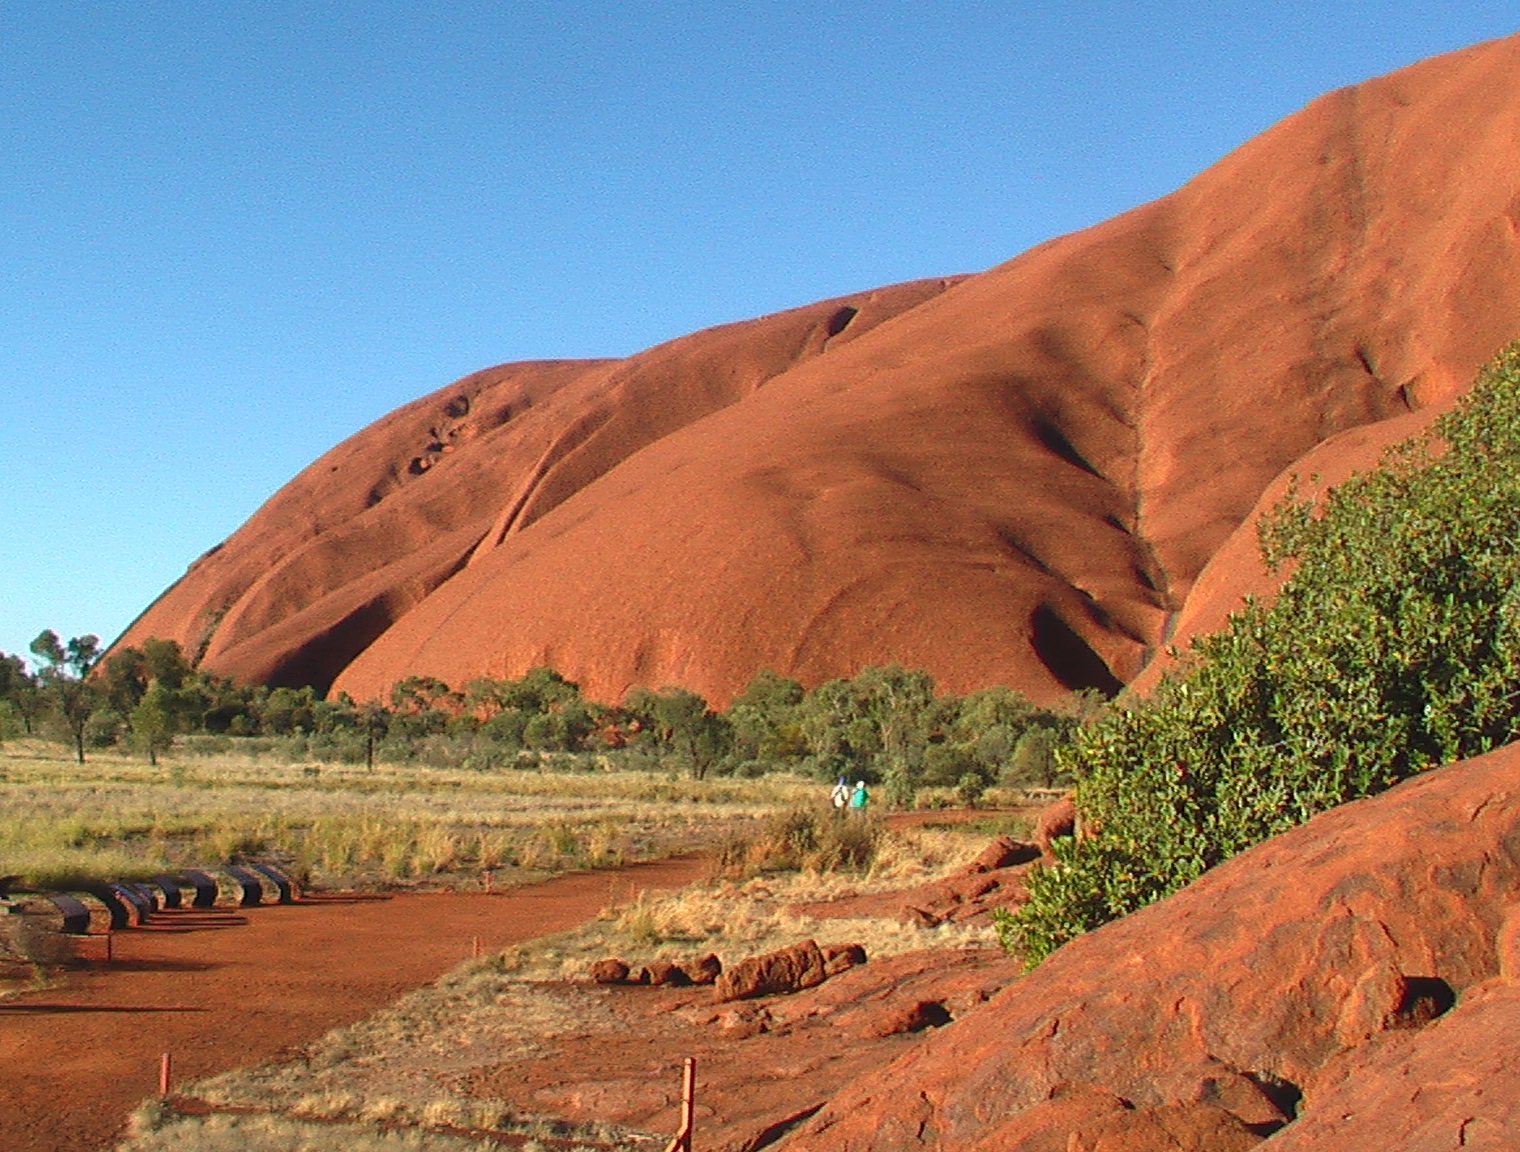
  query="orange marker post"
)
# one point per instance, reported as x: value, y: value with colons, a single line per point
x: 683, y: 1138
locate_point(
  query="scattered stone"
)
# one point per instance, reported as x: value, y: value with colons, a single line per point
x: 704, y: 970
x: 1169, y: 1128
x: 609, y: 971
x: 742, y: 1023
x: 1004, y: 852
x: 664, y: 974
x: 1059, y: 820
x: 786, y: 970
x: 838, y: 958
x: 912, y: 1017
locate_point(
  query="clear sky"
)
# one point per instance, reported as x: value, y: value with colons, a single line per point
x: 231, y: 234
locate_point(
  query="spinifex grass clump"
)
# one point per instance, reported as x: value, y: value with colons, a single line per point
x: 1394, y: 647
x: 801, y: 840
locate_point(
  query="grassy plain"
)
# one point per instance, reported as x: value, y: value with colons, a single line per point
x: 339, y: 825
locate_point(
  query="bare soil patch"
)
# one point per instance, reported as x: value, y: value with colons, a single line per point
x: 223, y: 988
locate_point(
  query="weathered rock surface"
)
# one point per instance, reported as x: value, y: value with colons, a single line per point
x: 609, y: 971
x: 785, y: 970
x: 1310, y: 976
x: 762, y: 1065
x: 971, y: 895
x: 1011, y: 478
x: 1003, y: 852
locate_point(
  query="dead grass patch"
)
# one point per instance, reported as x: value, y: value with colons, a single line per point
x: 403, y: 1065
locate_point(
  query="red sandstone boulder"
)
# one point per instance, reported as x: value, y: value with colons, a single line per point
x: 911, y: 1017
x: 1167, y: 1128
x: 1004, y: 852
x: 1059, y: 820
x: 839, y: 958
x: 704, y: 970
x: 664, y: 974
x: 1454, y: 1085
x: 1309, y: 976
x: 787, y: 970
x: 609, y: 971
x: 1012, y: 478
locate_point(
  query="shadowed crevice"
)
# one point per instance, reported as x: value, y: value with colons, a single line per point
x: 1070, y: 659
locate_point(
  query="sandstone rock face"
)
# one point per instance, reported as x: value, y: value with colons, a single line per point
x: 1310, y: 977
x: 1015, y: 477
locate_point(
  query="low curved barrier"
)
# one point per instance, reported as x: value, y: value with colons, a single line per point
x: 76, y: 914
x: 252, y: 888
x: 138, y: 905
x: 170, y: 887
x: 107, y: 906
x: 204, y: 886
x: 145, y: 896
x: 284, y: 885
x: 120, y: 909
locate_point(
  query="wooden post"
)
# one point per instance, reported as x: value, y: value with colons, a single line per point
x: 488, y: 881
x: 165, y: 1065
x: 475, y: 947
x: 682, y: 1141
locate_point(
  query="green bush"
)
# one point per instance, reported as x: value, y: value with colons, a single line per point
x: 1393, y: 647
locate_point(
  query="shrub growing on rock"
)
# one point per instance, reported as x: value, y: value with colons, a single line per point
x: 1393, y: 647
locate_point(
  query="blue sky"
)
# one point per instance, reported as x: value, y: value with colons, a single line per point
x: 236, y: 233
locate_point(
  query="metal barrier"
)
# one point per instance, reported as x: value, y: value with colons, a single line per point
x: 283, y: 883
x: 138, y: 905
x: 253, y: 891
x: 148, y: 893
x: 76, y: 917
x: 205, y: 888
x: 170, y: 887
x: 120, y: 911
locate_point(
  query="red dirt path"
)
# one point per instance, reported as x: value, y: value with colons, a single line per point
x: 224, y: 988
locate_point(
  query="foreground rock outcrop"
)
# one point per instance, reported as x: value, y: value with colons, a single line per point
x: 1301, y: 992
x: 1015, y: 477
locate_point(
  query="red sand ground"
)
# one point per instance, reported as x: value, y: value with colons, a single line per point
x: 223, y: 988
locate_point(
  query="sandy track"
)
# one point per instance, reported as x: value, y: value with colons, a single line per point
x: 223, y: 988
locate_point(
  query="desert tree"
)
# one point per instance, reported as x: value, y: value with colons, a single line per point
x: 65, y: 681
x: 152, y: 723
x: 18, y: 689
x: 678, y: 722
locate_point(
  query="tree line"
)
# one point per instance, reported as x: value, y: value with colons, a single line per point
x: 886, y: 725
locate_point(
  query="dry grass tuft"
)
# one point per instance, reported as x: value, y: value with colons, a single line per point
x: 63, y: 823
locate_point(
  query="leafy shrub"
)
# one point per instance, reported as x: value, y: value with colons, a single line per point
x: 1394, y: 647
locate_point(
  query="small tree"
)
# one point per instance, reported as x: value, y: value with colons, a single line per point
x: 19, y: 688
x: 65, y: 681
x: 679, y: 722
x: 152, y: 730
